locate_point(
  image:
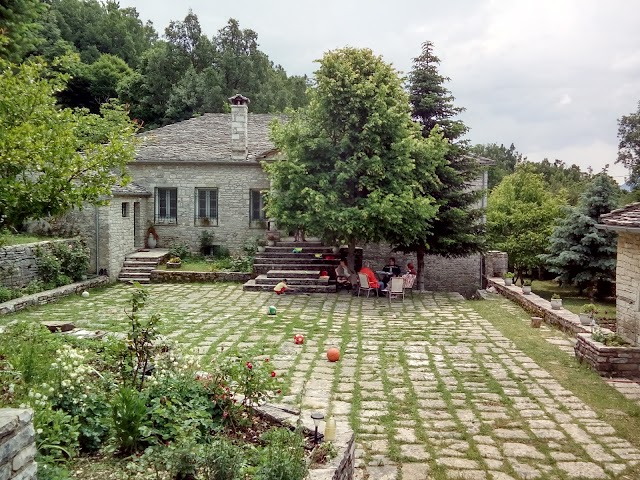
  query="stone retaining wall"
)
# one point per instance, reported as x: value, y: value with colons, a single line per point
x: 185, y: 276
x: 496, y: 263
x: 50, y: 296
x: 342, y: 467
x: 18, y: 262
x: 608, y: 361
x: 539, y: 307
x: 17, y: 444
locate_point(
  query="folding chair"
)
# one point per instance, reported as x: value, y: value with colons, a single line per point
x: 395, y: 288
x: 409, y: 280
x: 364, y: 285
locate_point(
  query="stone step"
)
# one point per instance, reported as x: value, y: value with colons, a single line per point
x: 260, y: 268
x: 252, y: 286
x: 290, y: 254
x: 293, y: 274
x: 139, y: 263
x: 289, y: 244
x: 138, y: 268
x: 272, y: 281
x: 297, y: 260
x: 134, y: 274
x: 130, y: 279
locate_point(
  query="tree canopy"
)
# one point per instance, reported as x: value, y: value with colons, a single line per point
x: 55, y: 159
x: 629, y: 146
x: 521, y: 214
x: 580, y: 253
x: 348, y: 158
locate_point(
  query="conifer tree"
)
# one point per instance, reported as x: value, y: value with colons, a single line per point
x: 580, y: 253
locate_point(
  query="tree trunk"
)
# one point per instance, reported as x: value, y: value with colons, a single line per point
x: 351, y: 255
x: 420, y: 261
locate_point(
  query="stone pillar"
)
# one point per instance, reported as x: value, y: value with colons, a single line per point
x: 239, y: 120
x: 496, y: 263
x: 17, y: 444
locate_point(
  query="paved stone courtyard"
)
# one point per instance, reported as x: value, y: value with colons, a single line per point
x: 431, y: 388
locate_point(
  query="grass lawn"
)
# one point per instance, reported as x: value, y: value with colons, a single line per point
x: 570, y: 298
x: 191, y: 266
x: 7, y: 239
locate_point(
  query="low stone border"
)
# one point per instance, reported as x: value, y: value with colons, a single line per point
x: 185, y: 276
x: 342, y: 466
x: 539, y: 307
x: 608, y: 361
x: 17, y: 444
x: 49, y: 296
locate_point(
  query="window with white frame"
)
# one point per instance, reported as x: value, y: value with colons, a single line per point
x: 206, y: 213
x: 256, y: 209
x: 166, y: 211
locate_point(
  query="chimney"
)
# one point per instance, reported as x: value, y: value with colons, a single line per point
x: 239, y: 117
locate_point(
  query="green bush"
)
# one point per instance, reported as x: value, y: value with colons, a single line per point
x: 180, y: 250
x: 6, y: 294
x: 62, y: 263
x: 282, y: 456
x: 128, y: 413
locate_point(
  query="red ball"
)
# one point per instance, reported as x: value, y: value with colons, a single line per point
x: 333, y: 354
x: 298, y: 339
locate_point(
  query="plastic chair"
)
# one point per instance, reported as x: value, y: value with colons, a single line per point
x: 409, y: 280
x: 395, y: 288
x: 364, y: 285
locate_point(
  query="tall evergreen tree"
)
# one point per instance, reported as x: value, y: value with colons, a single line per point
x: 629, y: 146
x: 580, y: 253
x: 457, y: 230
x: 20, y: 29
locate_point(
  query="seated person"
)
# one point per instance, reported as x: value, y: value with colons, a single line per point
x: 373, y: 281
x: 282, y: 287
x: 392, y: 268
x: 411, y: 270
x: 343, y: 274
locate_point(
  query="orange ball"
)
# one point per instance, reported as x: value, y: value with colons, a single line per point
x: 333, y: 354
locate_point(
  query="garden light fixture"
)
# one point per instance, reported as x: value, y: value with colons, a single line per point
x: 317, y: 417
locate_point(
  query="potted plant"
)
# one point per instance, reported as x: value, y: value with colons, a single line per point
x: 152, y: 237
x: 174, y: 262
x: 508, y: 279
x: 526, y: 287
x: 587, y: 313
x: 262, y: 243
x: 271, y: 239
x: 556, y: 302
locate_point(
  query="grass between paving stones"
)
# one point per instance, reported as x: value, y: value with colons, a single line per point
x: 609, y: 404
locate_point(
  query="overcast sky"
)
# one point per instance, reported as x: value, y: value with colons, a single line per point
x: 551, y: 76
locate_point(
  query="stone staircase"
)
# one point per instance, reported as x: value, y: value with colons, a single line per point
x: 138, y: 266
x: 301, y: 270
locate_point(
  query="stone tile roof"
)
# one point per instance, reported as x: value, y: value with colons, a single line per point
x: 131, y: 189
x: 628, y: 216
x: 205, y: 139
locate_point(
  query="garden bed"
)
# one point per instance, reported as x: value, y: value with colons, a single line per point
x: 613, y: 361
x: 53, y: 295
x: 185, y: 276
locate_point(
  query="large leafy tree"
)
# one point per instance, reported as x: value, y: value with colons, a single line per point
x: 457, y: 229
x: 20, y: 28
x: 580, y: 253
x: 54, y: 159
x: 505, y: 160
x: 629, y: 146
x: 348, y: 158
x: 521, y: 214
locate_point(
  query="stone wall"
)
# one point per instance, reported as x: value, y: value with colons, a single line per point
x: 184, y: 276
x: 608, y: 361
x: 50, y: 296
x: 496, y: 263
x: 233, y: 182
x: 539, y: 307
x: 18, y: 262
x: 17, y: 444
x: 628, y: 287
x: 342, y: 467
x: 462, y: 275
x: 117, y: 235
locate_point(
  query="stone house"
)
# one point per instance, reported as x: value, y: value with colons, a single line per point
x: 205, y: 175
x: 626, y: 223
